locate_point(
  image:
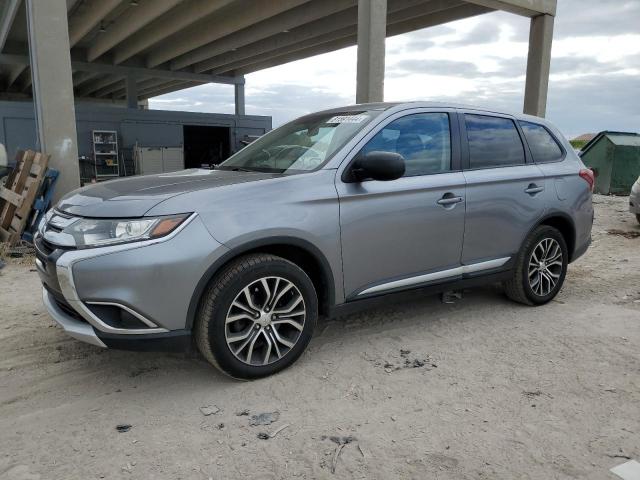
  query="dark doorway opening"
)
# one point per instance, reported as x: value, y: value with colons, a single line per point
x: 205, y: 146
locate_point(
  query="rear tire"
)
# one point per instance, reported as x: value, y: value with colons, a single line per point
x: 638, y: 217
x: 234, y: 329
x: 540, y: 269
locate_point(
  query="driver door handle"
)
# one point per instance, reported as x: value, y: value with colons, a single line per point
x: 449, y: 199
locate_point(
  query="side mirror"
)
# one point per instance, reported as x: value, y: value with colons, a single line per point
x: 382, y: 166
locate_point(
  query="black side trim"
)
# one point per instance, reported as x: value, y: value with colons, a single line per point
x: 173, y: 341
x: 414, y: 293
x: 508, y: 266
x: 246, y: 247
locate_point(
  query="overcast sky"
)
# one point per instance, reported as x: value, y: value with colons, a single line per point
x: 594, y: 84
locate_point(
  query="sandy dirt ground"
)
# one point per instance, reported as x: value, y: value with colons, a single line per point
x: 480, y: 389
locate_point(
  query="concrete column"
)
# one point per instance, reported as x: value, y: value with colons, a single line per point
x: 132, y: 92
x: 239, y: 96
x: 53, y: 89
x: 372, y: 33
x: 538, y: 62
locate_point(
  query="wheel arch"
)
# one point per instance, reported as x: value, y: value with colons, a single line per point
x: 565, y: 225
x: 301, y: 252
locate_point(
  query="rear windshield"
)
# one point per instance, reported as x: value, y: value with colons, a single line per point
x: 302, y: 145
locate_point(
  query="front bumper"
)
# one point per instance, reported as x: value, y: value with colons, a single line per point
x: 72, y: 326
x: 150, y: 284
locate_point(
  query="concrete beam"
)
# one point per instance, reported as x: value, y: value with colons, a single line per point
x: 103, y: 82
x: 117, y: 88
x: 304, y: 35
x: 336, y: 35
x: 25, y: 85
x: 123, y: 71
x: 175, y: 21
x: 527, y: 8
x: 132, y: 92
x: 81, y: 24
x: 322, y: 32
x: 127, y: 25
x: 53, y: 89
x: 170, y: 88
x: 239, y: 99
x: 538, y: 63
x: 120, y: 90
x: 83, y: 77
x: 71, y: 4
x: 154, y: 73
x: 163, y: 85
x: 372, y: 34
x: 7, y: 16
x: 415, y: 23
x: 294, y: 37
x: 283, y: 22
x: 240, y: 14
x: 14, y: 72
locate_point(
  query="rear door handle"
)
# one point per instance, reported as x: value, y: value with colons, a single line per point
x: 532, y: 189
x: 449, y: 199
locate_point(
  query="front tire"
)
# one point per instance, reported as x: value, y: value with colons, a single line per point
x: 257, y: 316
x: 541, y: 267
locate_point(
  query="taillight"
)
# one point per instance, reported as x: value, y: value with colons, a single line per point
x: 587, y: 175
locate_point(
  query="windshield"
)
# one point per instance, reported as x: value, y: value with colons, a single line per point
x: 302, y: 145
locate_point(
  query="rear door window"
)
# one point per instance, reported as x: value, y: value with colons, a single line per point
x: 493, y: 142
x: 544, y: 147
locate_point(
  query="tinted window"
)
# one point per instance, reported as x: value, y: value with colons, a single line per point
x: 423, y: 139
x: 543, y: 146
x: 493, y: 142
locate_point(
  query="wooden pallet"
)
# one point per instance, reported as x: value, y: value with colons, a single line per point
x: 19, y: 193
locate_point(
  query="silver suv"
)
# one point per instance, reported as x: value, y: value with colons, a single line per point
x: 326, y: 214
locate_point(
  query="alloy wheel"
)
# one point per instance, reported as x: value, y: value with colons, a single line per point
x: 545, y: 266
x: 265, y: 321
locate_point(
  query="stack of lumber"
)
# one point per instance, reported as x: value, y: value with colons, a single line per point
x: 19, y: 193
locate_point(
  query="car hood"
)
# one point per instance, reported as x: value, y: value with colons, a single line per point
x: 134, y: 196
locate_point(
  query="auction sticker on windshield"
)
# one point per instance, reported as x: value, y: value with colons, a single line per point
x: 348, y: 118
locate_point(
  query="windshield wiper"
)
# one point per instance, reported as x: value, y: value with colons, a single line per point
x: 234, y: 169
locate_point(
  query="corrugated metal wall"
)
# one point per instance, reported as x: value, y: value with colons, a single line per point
x: 626, y: 169
x: 148, y: 127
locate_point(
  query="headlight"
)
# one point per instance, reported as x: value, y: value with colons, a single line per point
x: 96, y: 232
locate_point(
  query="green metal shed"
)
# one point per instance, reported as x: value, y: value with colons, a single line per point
x: 615, y: 159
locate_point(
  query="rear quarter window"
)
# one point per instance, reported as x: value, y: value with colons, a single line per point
x: 493, y: 142
x: 544, y: 147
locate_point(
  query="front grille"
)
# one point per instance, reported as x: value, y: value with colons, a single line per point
x: 55, y: 226
x: 43, y: 248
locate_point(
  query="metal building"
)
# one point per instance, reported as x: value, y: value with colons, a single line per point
x: 202, y: 138
x: 614, y: 157
x: 128, y: 50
